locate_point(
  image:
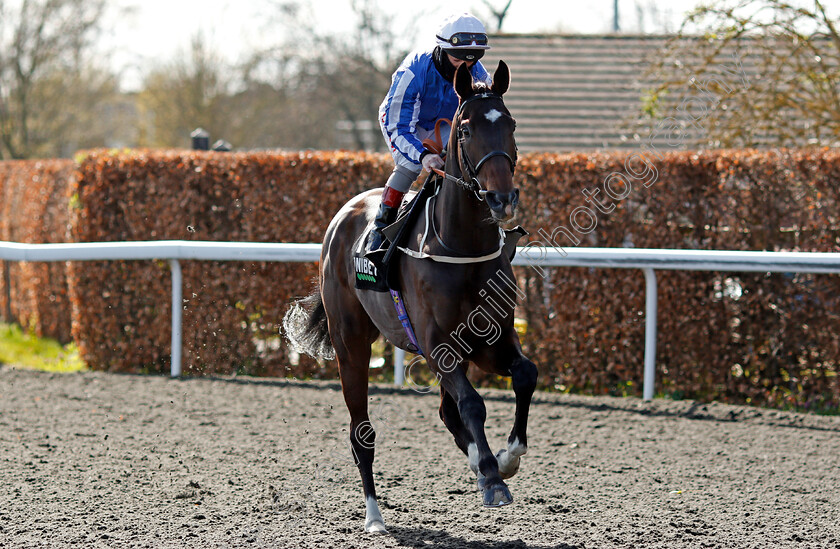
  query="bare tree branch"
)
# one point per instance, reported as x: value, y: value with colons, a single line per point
x: 40, y: 41
x: 792, y: 57
x: 499, y: 14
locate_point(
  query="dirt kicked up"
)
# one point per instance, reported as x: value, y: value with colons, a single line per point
x: 103, y: 460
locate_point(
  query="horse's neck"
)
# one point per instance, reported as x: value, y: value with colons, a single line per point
x: 462, y: 220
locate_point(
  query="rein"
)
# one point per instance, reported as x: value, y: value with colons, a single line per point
x: 429, y: 222
x: 472, y: 184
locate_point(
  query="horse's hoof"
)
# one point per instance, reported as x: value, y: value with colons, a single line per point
x: 508, y: 458
x: 375, y: 527
x: 497, y: 495
x: 508, y: 464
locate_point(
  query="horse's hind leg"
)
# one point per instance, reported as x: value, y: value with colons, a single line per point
x: 351, y: 336
x: 353, y: 367
x: 452, y: 419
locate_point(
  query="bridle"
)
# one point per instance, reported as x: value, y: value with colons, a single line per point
x: 472, y: 184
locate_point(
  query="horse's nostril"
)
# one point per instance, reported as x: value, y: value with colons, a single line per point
x: 499, y: 202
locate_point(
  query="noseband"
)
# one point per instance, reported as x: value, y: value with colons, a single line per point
x: 472, y: 183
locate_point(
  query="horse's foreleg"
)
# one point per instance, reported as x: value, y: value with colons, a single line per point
x: 452, y: 419
x: 473, y: 413
x: 505, y: 359
x: 524, y: 381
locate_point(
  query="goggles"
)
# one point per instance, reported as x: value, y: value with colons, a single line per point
x: 460, y: 39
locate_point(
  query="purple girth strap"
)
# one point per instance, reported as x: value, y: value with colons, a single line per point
x: 404, y: 320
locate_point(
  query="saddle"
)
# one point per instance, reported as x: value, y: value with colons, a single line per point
x: 376, y: 271
x: 372, y: 272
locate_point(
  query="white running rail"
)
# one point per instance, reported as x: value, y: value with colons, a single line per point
x: 537, y: 257
x: 171, y: 250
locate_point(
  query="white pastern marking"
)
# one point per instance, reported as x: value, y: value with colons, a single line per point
x: 373, y: 518
x: 516, y: 448
x: 509, y: 459
x: 493, y: 115
x: 472, y: 455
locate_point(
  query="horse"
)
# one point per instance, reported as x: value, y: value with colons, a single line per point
x: 458, y: 289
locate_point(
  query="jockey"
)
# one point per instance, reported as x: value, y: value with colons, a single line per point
x: 422, y: 92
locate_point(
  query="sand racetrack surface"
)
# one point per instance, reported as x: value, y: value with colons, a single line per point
x: 104, y: 460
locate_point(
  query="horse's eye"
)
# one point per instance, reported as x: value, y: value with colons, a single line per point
x: 464, y: 130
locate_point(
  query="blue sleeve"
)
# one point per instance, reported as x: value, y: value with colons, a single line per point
x: 400, y: 113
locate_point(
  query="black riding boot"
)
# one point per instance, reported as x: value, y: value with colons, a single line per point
x: 387, y: 214
x: 384, y: 217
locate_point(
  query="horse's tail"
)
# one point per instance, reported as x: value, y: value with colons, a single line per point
x: 305, y: 325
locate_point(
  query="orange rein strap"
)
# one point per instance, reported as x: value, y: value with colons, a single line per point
x: 436, y: 145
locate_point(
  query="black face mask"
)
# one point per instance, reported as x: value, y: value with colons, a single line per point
x: 466, y: 55
x: 442, y: 64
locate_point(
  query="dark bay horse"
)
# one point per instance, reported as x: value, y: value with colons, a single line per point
x: 459, y: 294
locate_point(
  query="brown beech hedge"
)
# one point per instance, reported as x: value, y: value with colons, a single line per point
x: 34, y: 199
x: 740, y: 337
x: 232, y: 310
x: 761, y: 338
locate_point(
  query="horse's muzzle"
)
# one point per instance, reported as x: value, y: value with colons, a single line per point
x: 502, y: 205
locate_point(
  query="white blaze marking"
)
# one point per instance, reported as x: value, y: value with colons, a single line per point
x: 493, y: 115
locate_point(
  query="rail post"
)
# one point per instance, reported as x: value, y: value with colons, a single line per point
x: 177, y: 309
x: 650, y: 333
x: 399, y: 367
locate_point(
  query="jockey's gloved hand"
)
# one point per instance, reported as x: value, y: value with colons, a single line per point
x: 431, y: 161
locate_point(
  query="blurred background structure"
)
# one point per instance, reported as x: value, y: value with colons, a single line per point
x: 310, y: 74
x: 633, y: 75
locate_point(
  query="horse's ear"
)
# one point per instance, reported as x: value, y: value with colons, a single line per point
x: 501, y: 79
x: 463, y: 82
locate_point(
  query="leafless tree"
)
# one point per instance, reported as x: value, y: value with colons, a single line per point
x: 499, y: 14
x: 189, y: 92
x: 790, y: 58
x: 653, y: 17
x: 45, y: 71
x: 338, y: 78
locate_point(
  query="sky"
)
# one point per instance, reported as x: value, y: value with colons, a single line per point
x: 158, y: 30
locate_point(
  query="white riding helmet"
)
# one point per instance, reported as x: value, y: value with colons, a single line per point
x: 462, y: 32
